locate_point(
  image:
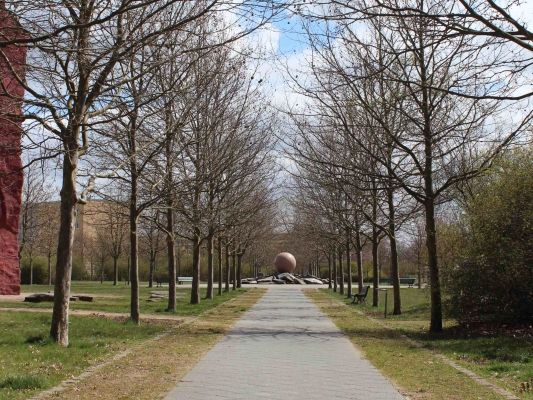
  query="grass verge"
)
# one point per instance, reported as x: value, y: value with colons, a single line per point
x: 31, y: 362
x: 155, y: 368
x: 116, y: 299
x: 504, y: 355
x: 417, y: 371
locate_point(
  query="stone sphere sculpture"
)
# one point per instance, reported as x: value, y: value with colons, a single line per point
x: 285, y: 262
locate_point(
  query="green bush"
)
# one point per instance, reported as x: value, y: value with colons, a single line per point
x: 40, y: 271
x: 79, y: 271
x: 496, y: 281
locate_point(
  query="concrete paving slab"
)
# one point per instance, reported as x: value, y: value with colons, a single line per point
x: 284, y: 348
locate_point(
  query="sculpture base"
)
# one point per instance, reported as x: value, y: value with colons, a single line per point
x: 9, y: 276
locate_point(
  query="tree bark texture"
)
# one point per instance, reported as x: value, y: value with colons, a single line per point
x: 219, y: 266
x: 335, y: 272
x: 239, y: 269
x: 394, y: 268
x: 195, y: 290
x: 348, y: 263
x: 67, y: 226
x: 228, y: 268
x: 341, y: 272
x: 210, y: 266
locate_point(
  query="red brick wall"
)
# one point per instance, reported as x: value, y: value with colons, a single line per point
x: 11, y: 176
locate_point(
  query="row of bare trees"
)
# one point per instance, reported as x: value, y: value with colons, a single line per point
x: 155, y: 99
x: 407, y: 101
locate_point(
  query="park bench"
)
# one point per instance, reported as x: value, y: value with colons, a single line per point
x: 184, y: 279
x: 407, y: 281
x: 361, y: 296
x: 403, y: 281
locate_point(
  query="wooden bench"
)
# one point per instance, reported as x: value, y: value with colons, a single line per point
x: 407, y: 281
x: 403, y: 281
x: 184, y: 279
x: 361, y: 296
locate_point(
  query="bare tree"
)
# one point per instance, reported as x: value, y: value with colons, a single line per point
x: 34, y: 214
x: 151, y: 240
x: 412, y: 72
x: 111, y: 225
x: 74, y: 80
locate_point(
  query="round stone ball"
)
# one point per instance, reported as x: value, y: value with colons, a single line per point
x: 285, y: 262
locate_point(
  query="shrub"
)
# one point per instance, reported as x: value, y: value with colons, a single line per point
x: 496, y: 282
x: 40, y: 271
x: 79, y: 270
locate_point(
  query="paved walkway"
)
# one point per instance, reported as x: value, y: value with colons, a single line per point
x: 284, y: 348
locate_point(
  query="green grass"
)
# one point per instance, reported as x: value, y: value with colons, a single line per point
x: 31, y: 362
x: 21, y: 382
x: 109, y: 298
x: 503, y: 358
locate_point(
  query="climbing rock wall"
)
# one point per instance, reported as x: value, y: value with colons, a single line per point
x: 12, y: 64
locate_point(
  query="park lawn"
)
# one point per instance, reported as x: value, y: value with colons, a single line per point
x: 31, y: 362
x: 156, y: 367
x: 116, y: 299
x: 504, y: 359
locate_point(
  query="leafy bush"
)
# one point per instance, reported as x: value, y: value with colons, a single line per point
x: 79, y: 270
x: 496, y: 281
x: 40, y: 271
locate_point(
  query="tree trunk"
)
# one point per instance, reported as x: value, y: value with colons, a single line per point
x: 431, y: 243
x: 375, y: 268
x: 227, y: 274
x: 171, y: 261
x: 171, y: 249
x: 429, y: 203
x: 359, y: 258
x: 195, y: 290
x: 341, y: 272
x: 134, y: 253
x: 210, y: 269
x: 239, y: 269
x: 219, y: 266
x: 234, y: 269
x: 134, y: 215
x: 394, y: 269
x: 348, y: 264
x: 115, y: 270
x: 330, y: 274
x: 395, y: 276
x: 334, y: 259
x: 178, y: 259
x: 375, y: 244
x: 67, y: 226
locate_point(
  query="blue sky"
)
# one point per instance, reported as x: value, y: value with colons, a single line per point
x: 292, y: 36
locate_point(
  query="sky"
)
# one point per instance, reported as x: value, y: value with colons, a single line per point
x: 285, y: 46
